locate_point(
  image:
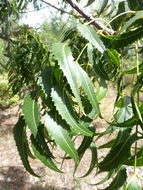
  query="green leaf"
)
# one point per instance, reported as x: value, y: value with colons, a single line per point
x: 134, y: 70
x: 90, y: 53
x: 42, y: 156
x: 139, y: 161
x: 123, y: 134
x: 90, y: 2
x: 138, y: 15
x: 102, y: 90
x: 31, y: 113
x: 135, y: 5
x: 119, y: 180
x: 110, y: 174
x: 118, y: 154
x: 65, y: 110
x: 45, y: 80
x: 122, y: 40
x: 99, y: 67
x: 42, y: 142
x: 64, y: 56
x: 61, y: 138
x: 133, y: 185
x: 108, y: 144
x: 104, y: 4
x: 89, y: 33
x: 21, y: 143
x: 79, y: 74
x: 125, y: 112
x: 84, y: 146
x: 87, y: 86
x: 93, y: 160
x: 114, y: 57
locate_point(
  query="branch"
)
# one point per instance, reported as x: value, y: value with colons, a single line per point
x: 61, y: 10
x: 89, y: 18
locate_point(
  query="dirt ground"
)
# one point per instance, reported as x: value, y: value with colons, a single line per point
x: 13, y: 175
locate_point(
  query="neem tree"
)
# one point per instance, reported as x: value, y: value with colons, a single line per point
x: 65, y: 84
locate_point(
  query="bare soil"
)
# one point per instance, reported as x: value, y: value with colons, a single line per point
x: 14, y: 177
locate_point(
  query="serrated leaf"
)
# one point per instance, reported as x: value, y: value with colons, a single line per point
x: 87, y: 87
x: 118, y: 154
x: 114, y: 57
x: 133, y: 185
x: 90, y: 53
x: 42, y: 142
x: 123, y: 134
x: 93, y: 160
x: 19, y: 137
x: 63, y: 54
x: 61, y: 138
x: 65, y: 110
x: 89, y: 33
x: 42, y: 156
x: 79, y: 74
x: 31, y: 113
x: 119, y: 180
x: 84, y: 146
x: 98, y: 67
x: 45, y: 80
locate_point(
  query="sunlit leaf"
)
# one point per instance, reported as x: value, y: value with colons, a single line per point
x: 90, y: 34
x: 133, y: 184
x: 65, y: 110
x: 31, y: 113
x: 64, y: 56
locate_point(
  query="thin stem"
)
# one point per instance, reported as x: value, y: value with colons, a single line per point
x: 89, y: 17
x: 117, y: 16
x: 59, y: 9
x: 81, y: 53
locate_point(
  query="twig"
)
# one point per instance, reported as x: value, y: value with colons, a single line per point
x: 57, y: 8
x: 89, y: 17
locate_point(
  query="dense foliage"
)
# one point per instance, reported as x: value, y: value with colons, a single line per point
x: 66, y: 82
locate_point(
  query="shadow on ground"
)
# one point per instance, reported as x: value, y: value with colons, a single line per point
x: 7, y: 121
x: 15, y: 178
